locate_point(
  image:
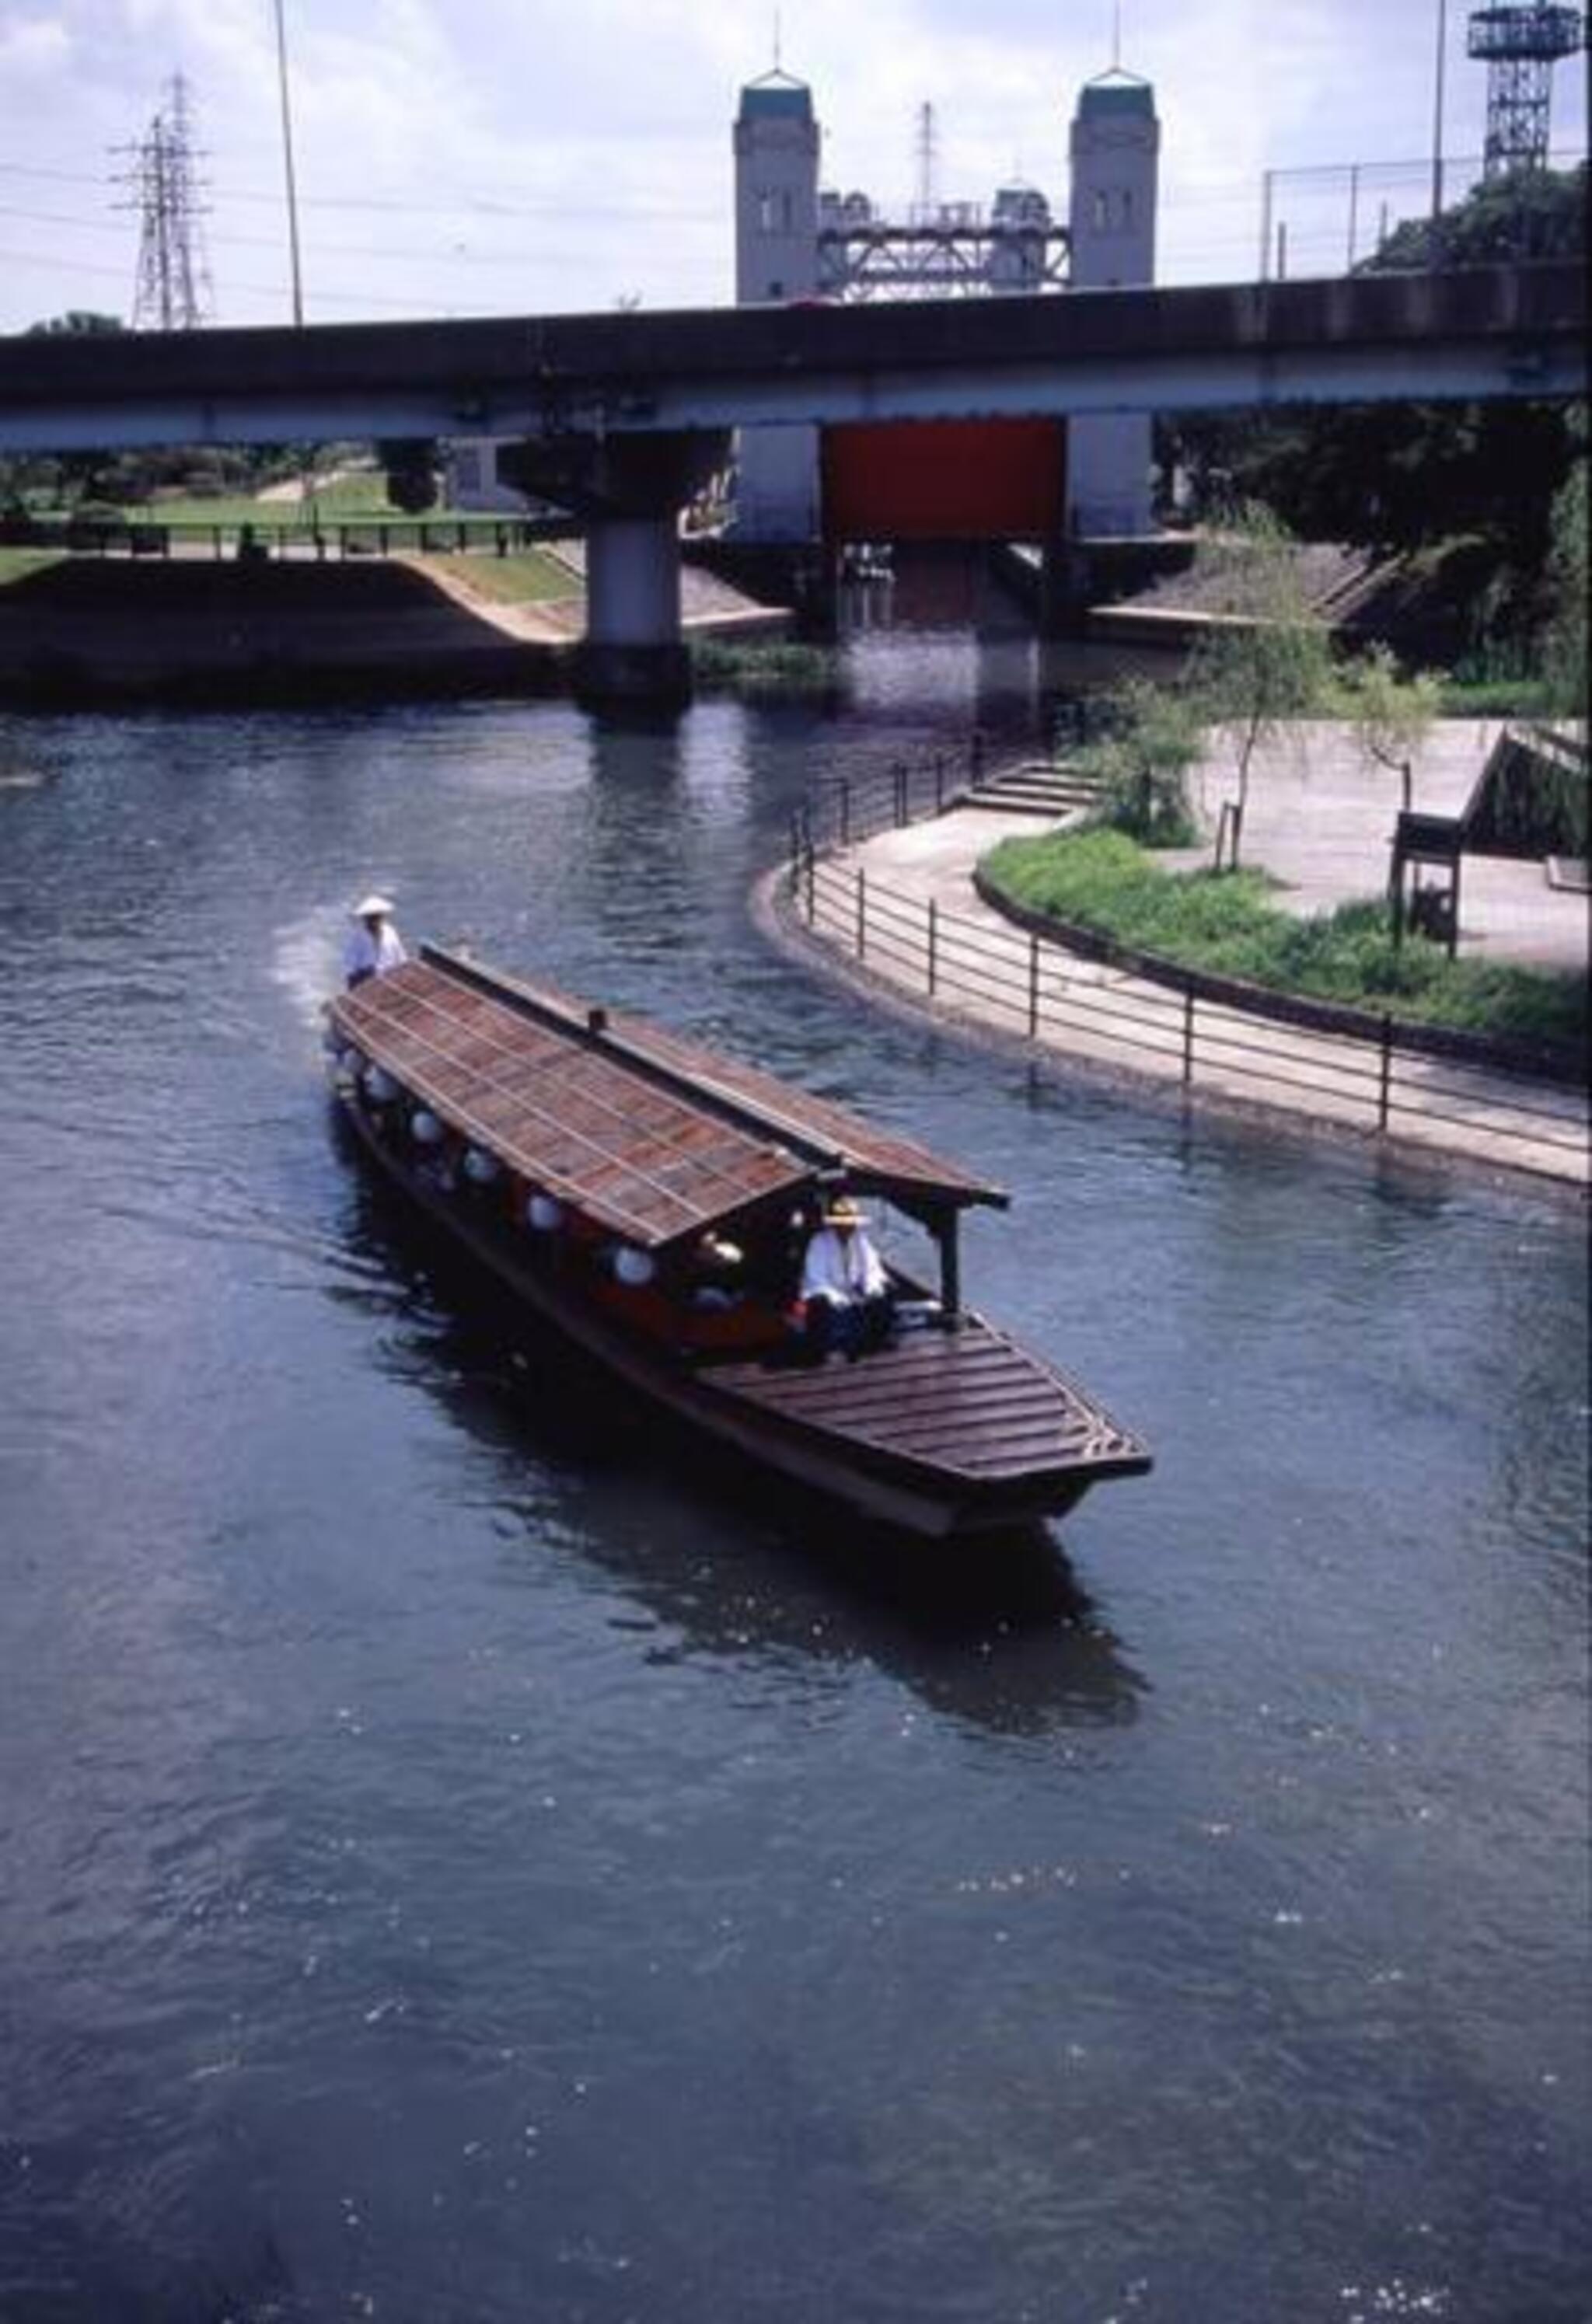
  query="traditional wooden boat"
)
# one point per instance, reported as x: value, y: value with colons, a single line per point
x: 584, y: 1157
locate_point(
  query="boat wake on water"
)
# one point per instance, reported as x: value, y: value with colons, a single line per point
x: 304, y: 961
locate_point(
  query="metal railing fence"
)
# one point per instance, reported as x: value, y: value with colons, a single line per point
x: 288, y: 537
x: 845, y: 809
x: 1020, y: 982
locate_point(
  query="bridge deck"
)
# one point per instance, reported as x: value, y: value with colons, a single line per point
x: 1488, y: 331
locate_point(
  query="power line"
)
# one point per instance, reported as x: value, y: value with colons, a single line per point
x: 452, y: 254
x: 470, y: 204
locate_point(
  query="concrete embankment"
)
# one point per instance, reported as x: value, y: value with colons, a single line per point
x: 84, y: 632
x: 106, y: 632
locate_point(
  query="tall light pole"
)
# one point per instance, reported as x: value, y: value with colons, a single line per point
x: 1437, y: 125
x: 287, y: 155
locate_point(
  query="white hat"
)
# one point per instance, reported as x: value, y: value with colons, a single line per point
x: 373, y: 907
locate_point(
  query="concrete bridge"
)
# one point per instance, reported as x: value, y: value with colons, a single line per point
x: 621, y: 415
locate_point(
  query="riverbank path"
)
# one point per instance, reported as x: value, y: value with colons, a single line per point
x: 1321, y: 823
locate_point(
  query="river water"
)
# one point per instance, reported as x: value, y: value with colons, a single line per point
x: 464, y: 1862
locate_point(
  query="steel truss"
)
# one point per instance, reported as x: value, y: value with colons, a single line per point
x: 947, y: 258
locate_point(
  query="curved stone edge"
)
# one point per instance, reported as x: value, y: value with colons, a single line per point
x: 777, y: 920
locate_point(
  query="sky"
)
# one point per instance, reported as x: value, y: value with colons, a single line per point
x: 458, y: 157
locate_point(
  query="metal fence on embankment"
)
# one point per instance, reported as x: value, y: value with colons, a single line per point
x: 288, y: 537
x: 848, y: 808
x: 1274, y: 1049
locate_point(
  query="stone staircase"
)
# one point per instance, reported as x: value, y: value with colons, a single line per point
x: 1350, y: 591
x: 1036, y: 788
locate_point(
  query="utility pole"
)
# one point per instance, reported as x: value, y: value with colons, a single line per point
x: 287, y: 156
x: 1437, y: 125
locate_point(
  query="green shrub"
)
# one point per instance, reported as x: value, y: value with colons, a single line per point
x: 1152, y: 738
x: 1228, y: 924
x: 774, y: 667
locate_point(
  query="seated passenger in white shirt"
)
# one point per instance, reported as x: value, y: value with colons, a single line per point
x: 374, y: 944
x: 844, y: 1291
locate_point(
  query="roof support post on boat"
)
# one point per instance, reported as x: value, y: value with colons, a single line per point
x: 950, y: 1267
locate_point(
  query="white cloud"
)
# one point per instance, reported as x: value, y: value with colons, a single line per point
x: 33, y: 47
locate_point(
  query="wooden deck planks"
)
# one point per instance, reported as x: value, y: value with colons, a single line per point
x: 966, y: 1400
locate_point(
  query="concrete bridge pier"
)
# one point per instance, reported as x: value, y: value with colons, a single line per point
x: 628, y: 491
x: 632, y: 649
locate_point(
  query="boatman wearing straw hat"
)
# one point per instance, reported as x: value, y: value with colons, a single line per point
x: 374, y: 944
x: 844, y: 1290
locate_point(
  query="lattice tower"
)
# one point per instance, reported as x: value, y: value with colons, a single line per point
x: 1521, y: 46
x: 173, y: 290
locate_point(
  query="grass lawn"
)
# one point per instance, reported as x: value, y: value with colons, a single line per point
x: 15, y: 562
x: 1495, y: 698
x: 360, y: 498
x: 350, y: 499
x: 1227, y: 923
x: 526, y: 576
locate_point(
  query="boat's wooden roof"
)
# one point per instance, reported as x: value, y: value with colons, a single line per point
x: 652, y: 1137
x: 966, y: 1403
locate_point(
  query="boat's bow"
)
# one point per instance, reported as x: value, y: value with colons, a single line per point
x: 962, y: 1415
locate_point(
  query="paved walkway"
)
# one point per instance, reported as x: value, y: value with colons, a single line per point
x: 1321, y: 824
x: 1321, y: 821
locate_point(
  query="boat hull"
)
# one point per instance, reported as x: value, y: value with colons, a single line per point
x: 756, y: 1409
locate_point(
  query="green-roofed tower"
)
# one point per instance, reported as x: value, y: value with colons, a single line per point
x: 1116, y: 153
x: 776, y: 260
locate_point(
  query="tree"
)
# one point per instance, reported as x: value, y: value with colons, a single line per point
x: 79, y: 323
x: 1390, y: 714
x: 1142, y: 762
x: 1564, y: 655
x: 1264, y: 658
x: 1531, y: 214
x: 1397, y: 478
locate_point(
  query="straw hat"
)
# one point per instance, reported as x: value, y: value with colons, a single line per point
x: 843, y: 1212
x: 373, y: 907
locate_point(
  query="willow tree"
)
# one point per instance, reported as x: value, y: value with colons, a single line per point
x: 1564, y: 641
x: 1262, y: 658
x: 1390, y: 715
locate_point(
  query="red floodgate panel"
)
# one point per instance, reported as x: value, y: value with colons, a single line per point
x: 944, y: 480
